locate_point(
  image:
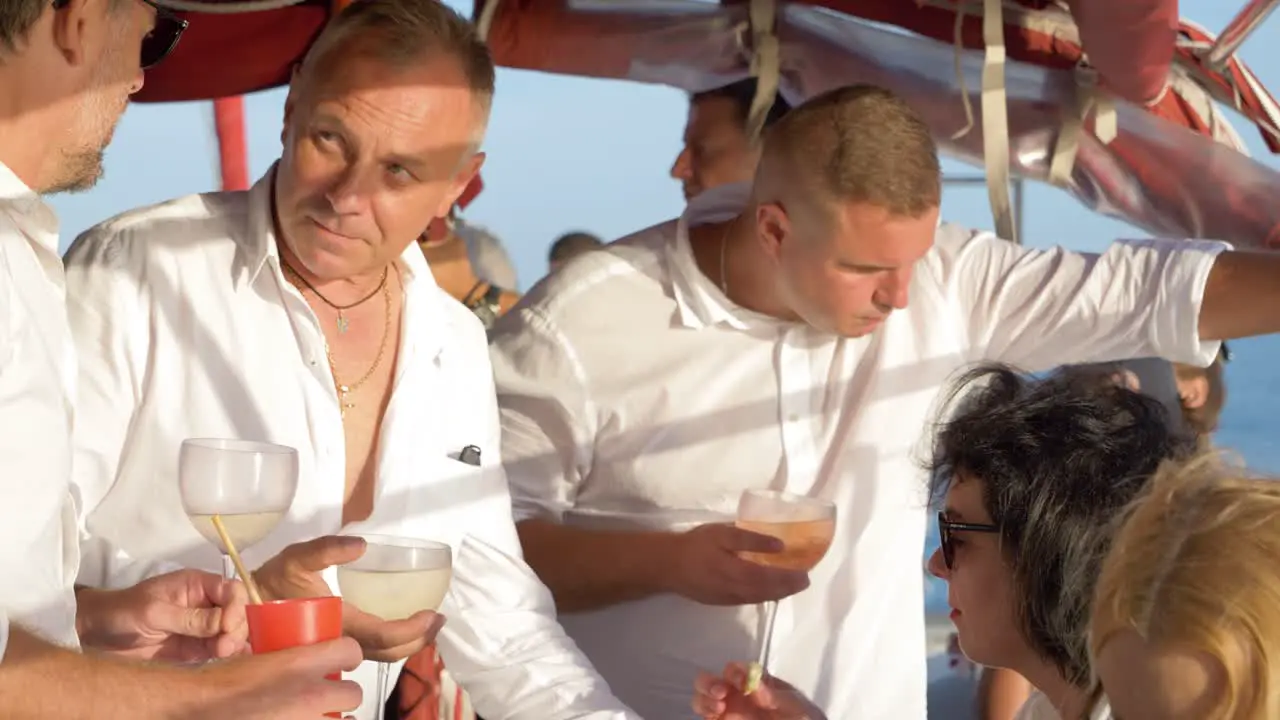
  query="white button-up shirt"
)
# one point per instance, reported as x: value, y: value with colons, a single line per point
x: 39, y: 534
x: 187, y: 328
x: 629, y: 385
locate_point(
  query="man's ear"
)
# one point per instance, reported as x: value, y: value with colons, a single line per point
x: 1194, y: 392
x: 75, y: 22
x: 461, y: 179
x: 772, y: 228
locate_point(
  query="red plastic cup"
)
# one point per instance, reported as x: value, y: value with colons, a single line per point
x: 284, y: 624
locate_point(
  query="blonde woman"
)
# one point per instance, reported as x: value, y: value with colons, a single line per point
x: 1186, y: 617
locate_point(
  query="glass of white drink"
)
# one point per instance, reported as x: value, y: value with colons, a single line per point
x: 249, y: 485
x: 806, y: 527
x: 396, y: 578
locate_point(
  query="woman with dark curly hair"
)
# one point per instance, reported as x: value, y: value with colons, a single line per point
x: 1031, y: 474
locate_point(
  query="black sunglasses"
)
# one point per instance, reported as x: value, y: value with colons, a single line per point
x: 947, y: 527
x: 162, y: 39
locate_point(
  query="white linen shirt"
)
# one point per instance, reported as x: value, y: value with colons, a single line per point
x: 187, y: 328
x: 628, y: 384
x: 39, y: 532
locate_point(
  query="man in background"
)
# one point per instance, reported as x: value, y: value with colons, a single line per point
x: 454, y: 266
x: 488, y: 256
x: 717, y: 150
x: 569, y: 246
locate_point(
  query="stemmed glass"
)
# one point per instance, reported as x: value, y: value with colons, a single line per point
x: 249, y: 485
x: 396, y: 578
x: 805, y: 525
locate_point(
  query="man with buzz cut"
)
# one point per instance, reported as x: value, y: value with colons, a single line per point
x: 792, y: 333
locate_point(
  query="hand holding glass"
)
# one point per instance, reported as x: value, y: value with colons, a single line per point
x: 806, y: 527
x: 396, y: 578
x: 250, y: 485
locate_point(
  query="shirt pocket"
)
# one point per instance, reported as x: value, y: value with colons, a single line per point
x: 434, y: 497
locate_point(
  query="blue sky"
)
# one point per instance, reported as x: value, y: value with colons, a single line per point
x: 569, y: 153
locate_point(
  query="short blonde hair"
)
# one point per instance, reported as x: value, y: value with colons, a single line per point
x: 1194, y: 566
x: 17, y: 17
x: 854, y: 144
x: 399, y: 32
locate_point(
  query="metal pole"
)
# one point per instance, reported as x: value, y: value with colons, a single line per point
x: 1237, y: 31
x: 1018, y: 188
x: 965, y: 180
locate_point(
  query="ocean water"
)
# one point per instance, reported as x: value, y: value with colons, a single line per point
x: 1249, y: 427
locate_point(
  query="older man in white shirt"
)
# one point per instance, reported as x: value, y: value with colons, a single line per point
x: 764, y: 340
x: 67, y: 69
x: 301, y: 313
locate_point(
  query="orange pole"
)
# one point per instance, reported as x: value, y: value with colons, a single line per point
x: 233, y: 151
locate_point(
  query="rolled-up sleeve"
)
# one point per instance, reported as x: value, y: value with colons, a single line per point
x: 1038, y: 309
x: 548, y: 423
x: 501, y: 641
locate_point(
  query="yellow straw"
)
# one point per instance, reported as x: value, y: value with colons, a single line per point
x: 249, y: 585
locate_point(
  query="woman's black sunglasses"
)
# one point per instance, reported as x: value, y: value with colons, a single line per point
x: 947, y: 527
x: 162, y: 39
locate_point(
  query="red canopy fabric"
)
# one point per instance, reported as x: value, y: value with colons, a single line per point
x: 227, y: 55
x: 1131, y: 46
x: 1152, y: 173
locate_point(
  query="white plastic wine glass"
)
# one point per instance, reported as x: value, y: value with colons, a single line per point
x: 805, y: 525
x: 396, y: 578
x: 249, y: 485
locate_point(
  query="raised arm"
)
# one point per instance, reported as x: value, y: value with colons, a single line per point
x: 1041, y: 308
x: 1242, y: 296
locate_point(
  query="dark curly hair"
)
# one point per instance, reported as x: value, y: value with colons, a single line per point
x: 1059, y: 457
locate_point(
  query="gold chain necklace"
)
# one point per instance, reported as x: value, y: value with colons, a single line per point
x: 345, y: 389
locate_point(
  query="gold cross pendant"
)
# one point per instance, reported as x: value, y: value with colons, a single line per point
x: 342, y: 323
x: 343, y: 404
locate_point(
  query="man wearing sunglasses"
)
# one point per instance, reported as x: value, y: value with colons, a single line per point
x: 67, y: 69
